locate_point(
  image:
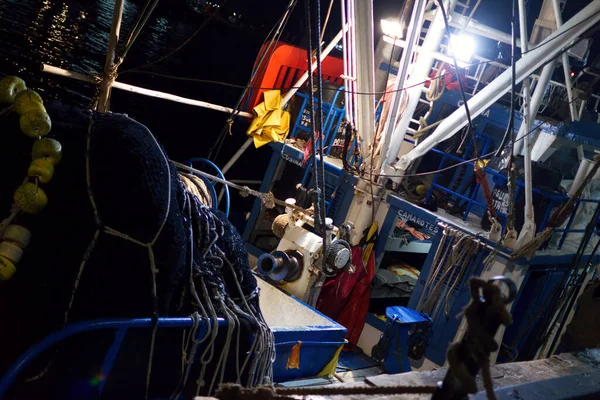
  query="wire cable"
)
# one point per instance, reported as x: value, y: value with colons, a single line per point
x: 321, y: 166
x: 509, y: 133
x: 237, y: 86
x: 469, y: 160
x: 137, y: 29
x: 544, y: 43
x: 188, y: 40
x: 460, y: 84
x: 326, y: 21
x: 313, y: 148
x: 267, y: 54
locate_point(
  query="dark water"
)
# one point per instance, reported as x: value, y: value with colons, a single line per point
x: 74, y: 34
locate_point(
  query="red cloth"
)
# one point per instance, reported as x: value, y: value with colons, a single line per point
x: 345, y: 298
x: 449, y: 78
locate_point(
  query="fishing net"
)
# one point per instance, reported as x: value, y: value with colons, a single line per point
x: 122, y: 237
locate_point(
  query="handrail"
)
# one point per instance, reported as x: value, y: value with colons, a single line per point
x: 85, y: 326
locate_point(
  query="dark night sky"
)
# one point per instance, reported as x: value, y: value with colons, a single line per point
x: 494, y: 13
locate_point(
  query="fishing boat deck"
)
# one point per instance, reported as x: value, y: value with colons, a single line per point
x: 547, y: 378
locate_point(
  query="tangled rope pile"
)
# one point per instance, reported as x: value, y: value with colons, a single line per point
x: 151, y: 246
x: 210, y: 294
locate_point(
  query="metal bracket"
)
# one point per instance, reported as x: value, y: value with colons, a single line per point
x: 495, y: 230
x: 510, y: 239
x: 527, y: 232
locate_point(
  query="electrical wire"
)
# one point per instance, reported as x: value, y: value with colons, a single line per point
x: 544, y: 43
x: 233, y: 85
x: 321, y: 166
x: 471, y: 131
x: 509, y: 133
x: 470, y: 160
x: 313, y: 148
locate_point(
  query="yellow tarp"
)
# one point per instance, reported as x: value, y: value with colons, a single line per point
x: 332, y: 365
x: 270, y: 123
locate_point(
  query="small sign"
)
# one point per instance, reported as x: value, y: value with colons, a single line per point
x: 433, y: 228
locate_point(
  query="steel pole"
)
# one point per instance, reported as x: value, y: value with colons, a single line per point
x: 286, y: 98
x: 528, y: 230
x: 420, y: 71
x: 113, y: 40
x: 548, y: 50
x: 414, y: 29
x: 365, y: 75
x: 566, y: 65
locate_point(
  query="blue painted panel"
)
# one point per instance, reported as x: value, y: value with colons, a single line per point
x: 314, y: 356
x: 319, y: 344
x: 375, y: 322
x: 531, y: 312
x: 404, y: 316
x: 355, y: 360
x: 315, y: 333
x: 399, y: 321
x: 545, y: 272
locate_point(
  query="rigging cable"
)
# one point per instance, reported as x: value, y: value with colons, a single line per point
x: 472, y: 159
x: 319, y: 128
x: 317, y: 199
x: 137, y: 29
x: 460, y: 85
x: 233, y: 85
x: 214, y: 14
x: 326, y: 21
x: 278, y: 28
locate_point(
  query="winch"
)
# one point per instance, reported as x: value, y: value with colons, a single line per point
x: 298, y: 261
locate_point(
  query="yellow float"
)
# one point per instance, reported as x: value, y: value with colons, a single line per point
x: 47, y: 148
x: 30, y: 198
x: 10, y: 86
x: 35, y: 123
x: 28, y: 100
x: 7, y: 269
x: 42, y: 169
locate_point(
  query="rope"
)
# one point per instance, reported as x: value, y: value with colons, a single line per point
x: 436, y: 89
x: 268, y: 200
x: 14, y: 212
x: 137, y: 29
x: 484, y: 315
x: 270, y: 50
x: 236, y: 392
x: 197, y: 187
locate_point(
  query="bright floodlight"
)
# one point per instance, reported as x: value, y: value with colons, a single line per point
x: 391, y: 28
x: 463, y: 47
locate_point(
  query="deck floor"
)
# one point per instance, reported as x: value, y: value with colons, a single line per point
x: 504, y: 375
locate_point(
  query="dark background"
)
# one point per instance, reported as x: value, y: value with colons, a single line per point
x: 74, y: 34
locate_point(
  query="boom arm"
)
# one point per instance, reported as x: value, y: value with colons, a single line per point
x: 545, y: 52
